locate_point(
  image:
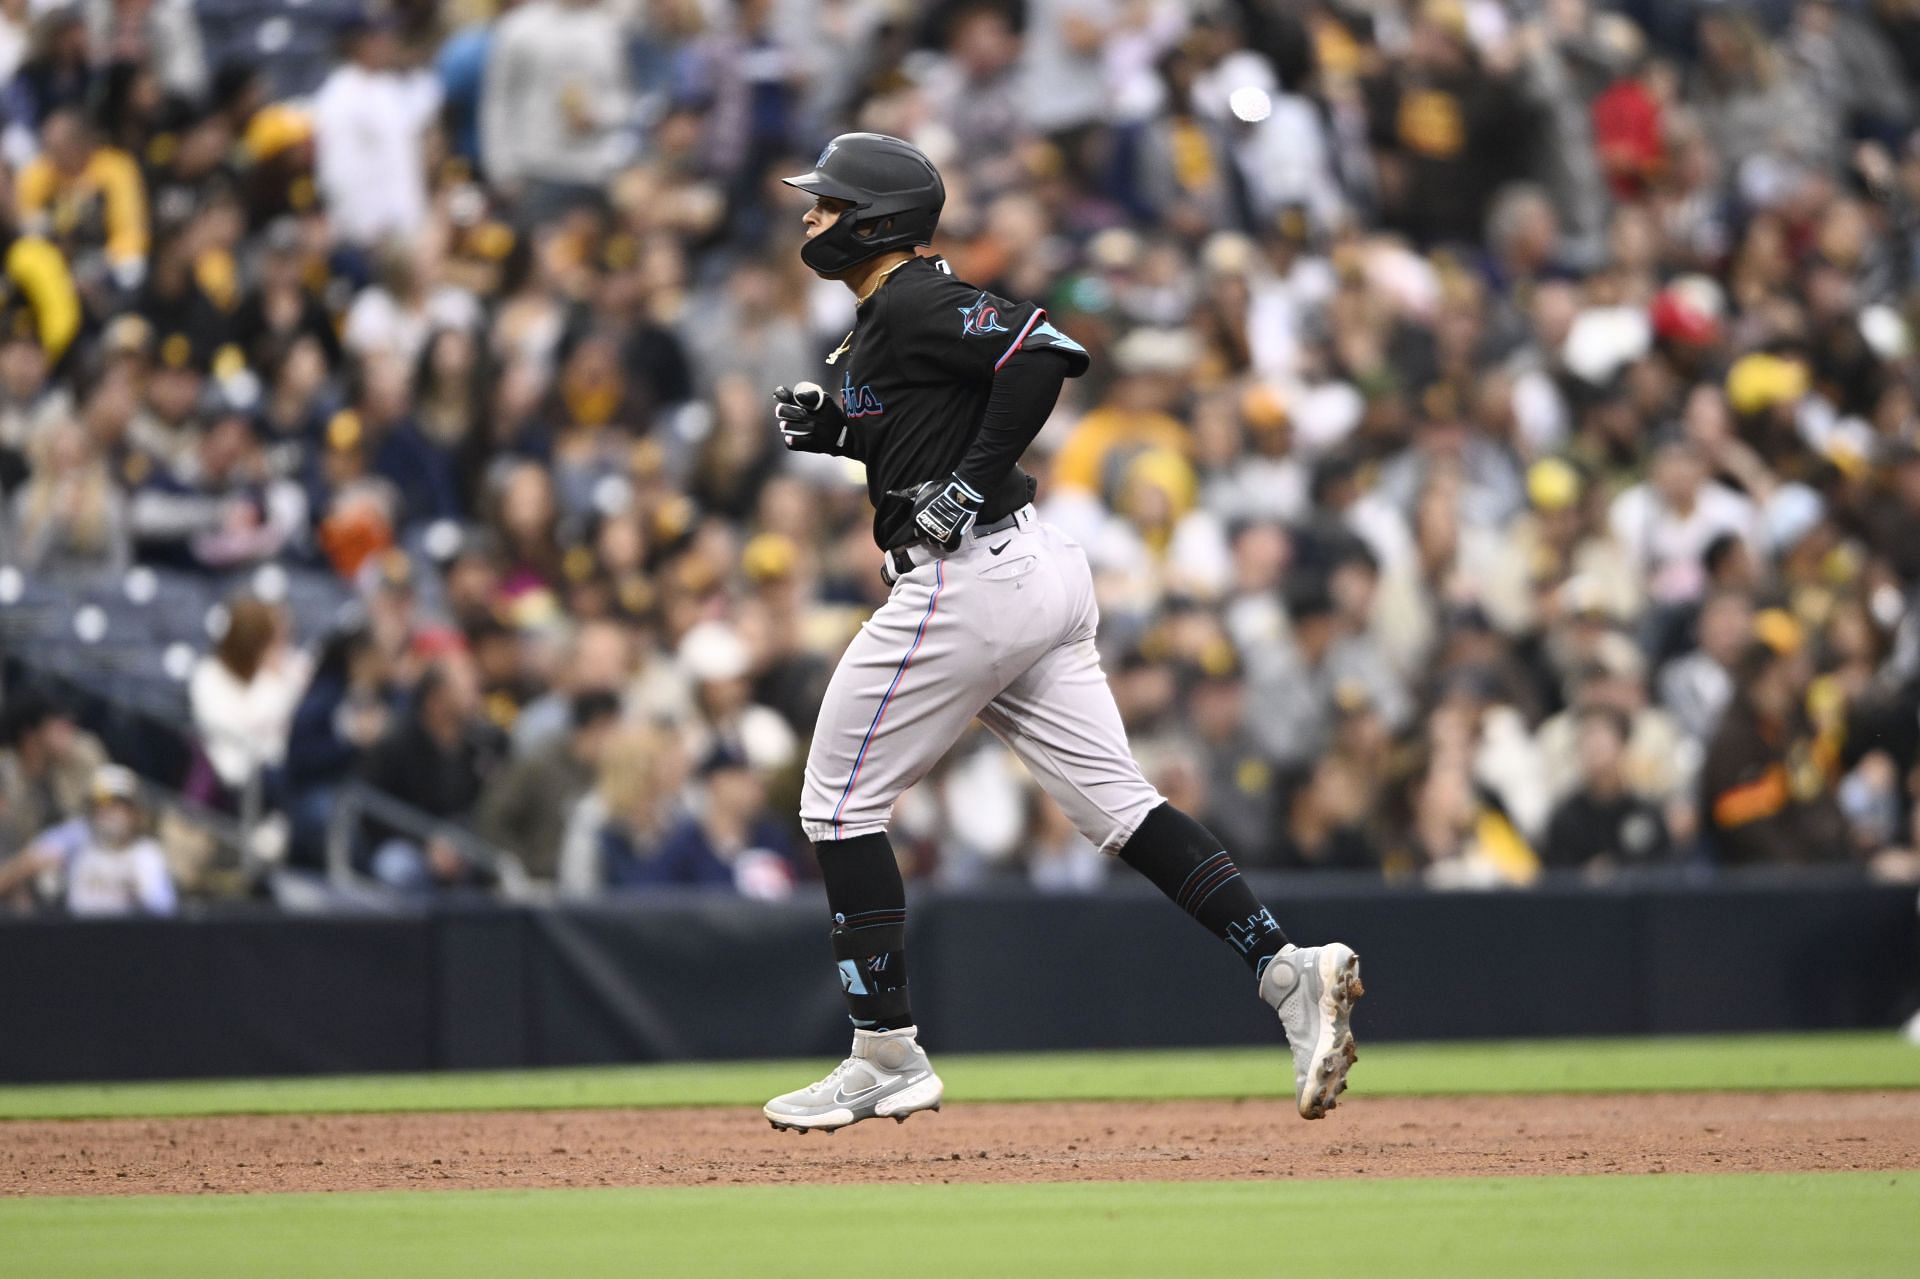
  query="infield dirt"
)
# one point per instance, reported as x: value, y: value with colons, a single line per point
x: 1034, y: 1141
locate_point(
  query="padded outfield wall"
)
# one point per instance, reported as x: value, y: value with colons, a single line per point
x: 691, y: 976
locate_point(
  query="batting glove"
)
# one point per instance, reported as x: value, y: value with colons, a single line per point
x: 810, y: 420
x: 943, y: 510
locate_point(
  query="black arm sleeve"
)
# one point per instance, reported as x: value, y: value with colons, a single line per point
x: 1022, y: 397
x: 854, y: 443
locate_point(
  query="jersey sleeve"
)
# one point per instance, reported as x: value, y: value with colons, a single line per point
x: 969, y: 333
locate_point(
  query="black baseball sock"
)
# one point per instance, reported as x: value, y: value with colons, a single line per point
x: 1186, y: 862
x: 869, y: 905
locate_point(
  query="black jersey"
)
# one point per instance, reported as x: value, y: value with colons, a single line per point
x: 914, y: 381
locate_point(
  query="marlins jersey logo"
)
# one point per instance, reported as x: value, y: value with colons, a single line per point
x: 859, y: 401
x: 980, y: 319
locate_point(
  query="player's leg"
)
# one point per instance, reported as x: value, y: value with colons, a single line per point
x: 1060, y: 718
x: 904, y: 690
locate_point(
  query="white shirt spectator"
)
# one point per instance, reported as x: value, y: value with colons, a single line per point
x: 555, y: 97
x: 245, y: 726
x: 1064, y: 63
x: 1668, y: 547
x: 97, y: 880
x: 369, y: 133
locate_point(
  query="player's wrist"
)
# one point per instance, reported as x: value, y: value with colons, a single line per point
x: 963, y: 491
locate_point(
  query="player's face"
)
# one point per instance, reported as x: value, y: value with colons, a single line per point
x: 824, y: 213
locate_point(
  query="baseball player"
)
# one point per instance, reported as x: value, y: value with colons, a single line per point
x: 941, y: 388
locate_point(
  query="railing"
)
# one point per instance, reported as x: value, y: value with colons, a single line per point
x: 356, y: 802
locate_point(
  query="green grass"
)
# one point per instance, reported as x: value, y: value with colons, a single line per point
x: 1854, y: 1224
x: 1870, y: 1060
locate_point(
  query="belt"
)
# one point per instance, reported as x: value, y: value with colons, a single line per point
x: 900, y: 561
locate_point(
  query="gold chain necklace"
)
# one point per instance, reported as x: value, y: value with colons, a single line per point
x: 861, y: 301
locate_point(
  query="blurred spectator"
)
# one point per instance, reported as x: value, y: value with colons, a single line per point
x: 1754, y: 109
x: 392, y: 320
x: 1603, y: 825
x: 47, y: 764
x: 597, y: 659
x: 90, y: 200
x: 101, y: 864
x: 219, y: 505
x: 370, y: 121
x: 1241, y: 789
x: 1463, y: 834
x: 244, y: 694
x: 382, y: 422
x: 526, y: 808
x: 1445, y: 125
x: 57, y: 72
x: 43, y: 305
x: 436, y: 760
x: 720, y: 665
x: 1698, y: 686
x: 1291, y: 696
x: 1766, y: 790
x: 1134, y: 416
x: 346, y: 708
x: 730, y: 840
x: 69, y: 515
x: 163, y: 35
x: 1667, y: 525
x: 281, y: 310
x: 1660, y: 762
x: 617, y: 829
x: 555, y: 106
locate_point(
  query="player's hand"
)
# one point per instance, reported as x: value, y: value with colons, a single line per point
x: 943, y: 510
x: 810, y: 420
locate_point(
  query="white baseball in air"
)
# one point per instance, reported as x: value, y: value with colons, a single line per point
x: 810, y: 396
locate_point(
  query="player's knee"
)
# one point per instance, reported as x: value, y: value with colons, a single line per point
x: 1109, y: 820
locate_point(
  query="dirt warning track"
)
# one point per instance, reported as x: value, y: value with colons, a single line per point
x: 1036, y: 1141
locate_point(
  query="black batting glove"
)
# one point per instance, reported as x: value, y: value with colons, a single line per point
x: 810, y: 420
x: 943, y: 510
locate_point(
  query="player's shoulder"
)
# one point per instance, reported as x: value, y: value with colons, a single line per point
x: 929, y: 279
x: 935, y: 295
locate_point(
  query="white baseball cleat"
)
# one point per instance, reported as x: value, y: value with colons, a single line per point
x: 1313, y: 991
x: 887, y: 1077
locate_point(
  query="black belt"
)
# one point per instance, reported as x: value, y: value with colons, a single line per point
x: 898, y: 562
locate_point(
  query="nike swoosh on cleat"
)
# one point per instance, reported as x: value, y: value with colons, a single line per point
x: 844, y: 1098
x: 995, y: 550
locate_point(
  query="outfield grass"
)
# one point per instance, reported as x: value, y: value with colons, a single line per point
x: 1856, y: 1224
x: 1869, y: 1060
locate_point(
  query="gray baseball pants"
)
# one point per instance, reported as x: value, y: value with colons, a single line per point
x: 1003, y: 629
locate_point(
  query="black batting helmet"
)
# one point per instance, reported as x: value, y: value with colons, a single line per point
x: 896, y: 195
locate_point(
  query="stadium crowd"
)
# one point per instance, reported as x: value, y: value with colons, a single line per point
x: 1501, y: 452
